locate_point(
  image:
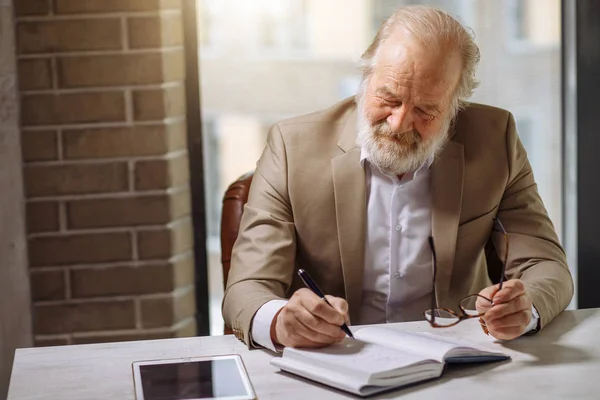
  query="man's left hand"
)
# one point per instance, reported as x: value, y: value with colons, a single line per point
x: 511, y: 313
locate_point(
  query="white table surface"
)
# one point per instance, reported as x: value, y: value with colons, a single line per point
x: 562, y: 361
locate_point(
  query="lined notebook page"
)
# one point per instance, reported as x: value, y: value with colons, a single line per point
x: 423, y: 344
x: 353, y: 355
x: 418, y: 344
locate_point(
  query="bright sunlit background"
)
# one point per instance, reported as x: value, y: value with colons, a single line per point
x: 264, y: 60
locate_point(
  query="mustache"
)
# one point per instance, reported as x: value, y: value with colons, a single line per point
x: 382, y: 129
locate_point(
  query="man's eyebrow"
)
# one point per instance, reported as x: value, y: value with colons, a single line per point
x: 385, y: 91
x: 431, y: 106
x: 435, y: 107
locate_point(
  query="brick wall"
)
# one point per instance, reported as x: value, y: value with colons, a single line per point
x: 105, y: 169
x: 15, y: 303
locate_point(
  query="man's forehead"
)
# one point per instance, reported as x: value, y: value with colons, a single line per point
x: 424, y: 100
x: 411, y: 66
x: 388, y: 83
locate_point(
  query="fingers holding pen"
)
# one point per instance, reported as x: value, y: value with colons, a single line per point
x: 308, y: 321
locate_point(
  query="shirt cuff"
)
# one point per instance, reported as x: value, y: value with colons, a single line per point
x: 534, y: 323
x: 261, y: 324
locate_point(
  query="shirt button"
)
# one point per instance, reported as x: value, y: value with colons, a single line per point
x: 398, y: 227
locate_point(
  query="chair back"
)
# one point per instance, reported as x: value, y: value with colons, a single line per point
x: 234, y: 200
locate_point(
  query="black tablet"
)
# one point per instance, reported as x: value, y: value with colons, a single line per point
x: 216, y: 377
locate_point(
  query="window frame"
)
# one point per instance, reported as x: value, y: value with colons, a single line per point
x: 196, y: 165
x: 581, y: 60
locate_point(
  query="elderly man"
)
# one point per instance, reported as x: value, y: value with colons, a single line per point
x: 352, y: 194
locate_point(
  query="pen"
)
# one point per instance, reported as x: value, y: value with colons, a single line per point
x: 313, y: 286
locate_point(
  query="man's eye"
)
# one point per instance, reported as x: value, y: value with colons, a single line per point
x: 425, y: 115
x: 390, y: 102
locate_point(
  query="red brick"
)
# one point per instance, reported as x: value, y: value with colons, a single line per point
x: 158, y: 104
x: 80, y: 249
x: 48, y: 285
x: 180, y: 204
x: 39, y: 146
x: 165, y: 243
x: 134, y: 69
x: 72, y: 108
x: 187, y: 328
x: 56, y: 36
x: 35, y: 74
x: 167, y: 310
x: 31, y: 7
x: 42, y: 216
x: 162, y: 174
x: 119, y: 142
x: 107, y: 6
x: 184, y: 271
x: 122, y: 280
x: 125, y: 211
x: 177, y: 136
x: 84, y: 317
x: 55, y: 180
x: 155, y: 31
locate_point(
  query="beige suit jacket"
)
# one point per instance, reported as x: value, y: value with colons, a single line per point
x: 307, y: 209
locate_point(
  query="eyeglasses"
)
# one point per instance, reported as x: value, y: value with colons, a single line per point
x: 471, y: 306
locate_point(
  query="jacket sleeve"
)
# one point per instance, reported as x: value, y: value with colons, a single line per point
x: 535, y: 254
x: 263, y: 256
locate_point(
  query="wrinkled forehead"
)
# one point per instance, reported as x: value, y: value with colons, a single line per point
x: 427, y: 71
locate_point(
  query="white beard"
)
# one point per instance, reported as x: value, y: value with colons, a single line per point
x: 397, y: 153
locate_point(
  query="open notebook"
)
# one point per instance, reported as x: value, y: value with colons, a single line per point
x: 380, y: 359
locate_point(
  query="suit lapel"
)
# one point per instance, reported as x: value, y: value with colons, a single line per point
x: 447, y: 187
x: 350, y: 212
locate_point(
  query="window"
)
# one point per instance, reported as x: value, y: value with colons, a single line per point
x: 533, y: 24
x: 348, y: 86
x: 208, y: 24
x: 283, y: 25
x: 525, y: 130
x: 212, y: 184
x: 244, y: 89
x: 382, y: 9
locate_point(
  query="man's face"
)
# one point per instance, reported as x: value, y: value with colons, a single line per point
x: 405, y: 106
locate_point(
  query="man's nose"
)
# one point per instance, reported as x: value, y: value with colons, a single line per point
x: 401, y: 120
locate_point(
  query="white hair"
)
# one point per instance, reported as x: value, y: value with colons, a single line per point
x: 435, y: 28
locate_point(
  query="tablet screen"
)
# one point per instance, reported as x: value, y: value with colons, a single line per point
x: 219, y: 378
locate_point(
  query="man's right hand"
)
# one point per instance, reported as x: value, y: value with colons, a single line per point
x: 308, y: 321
